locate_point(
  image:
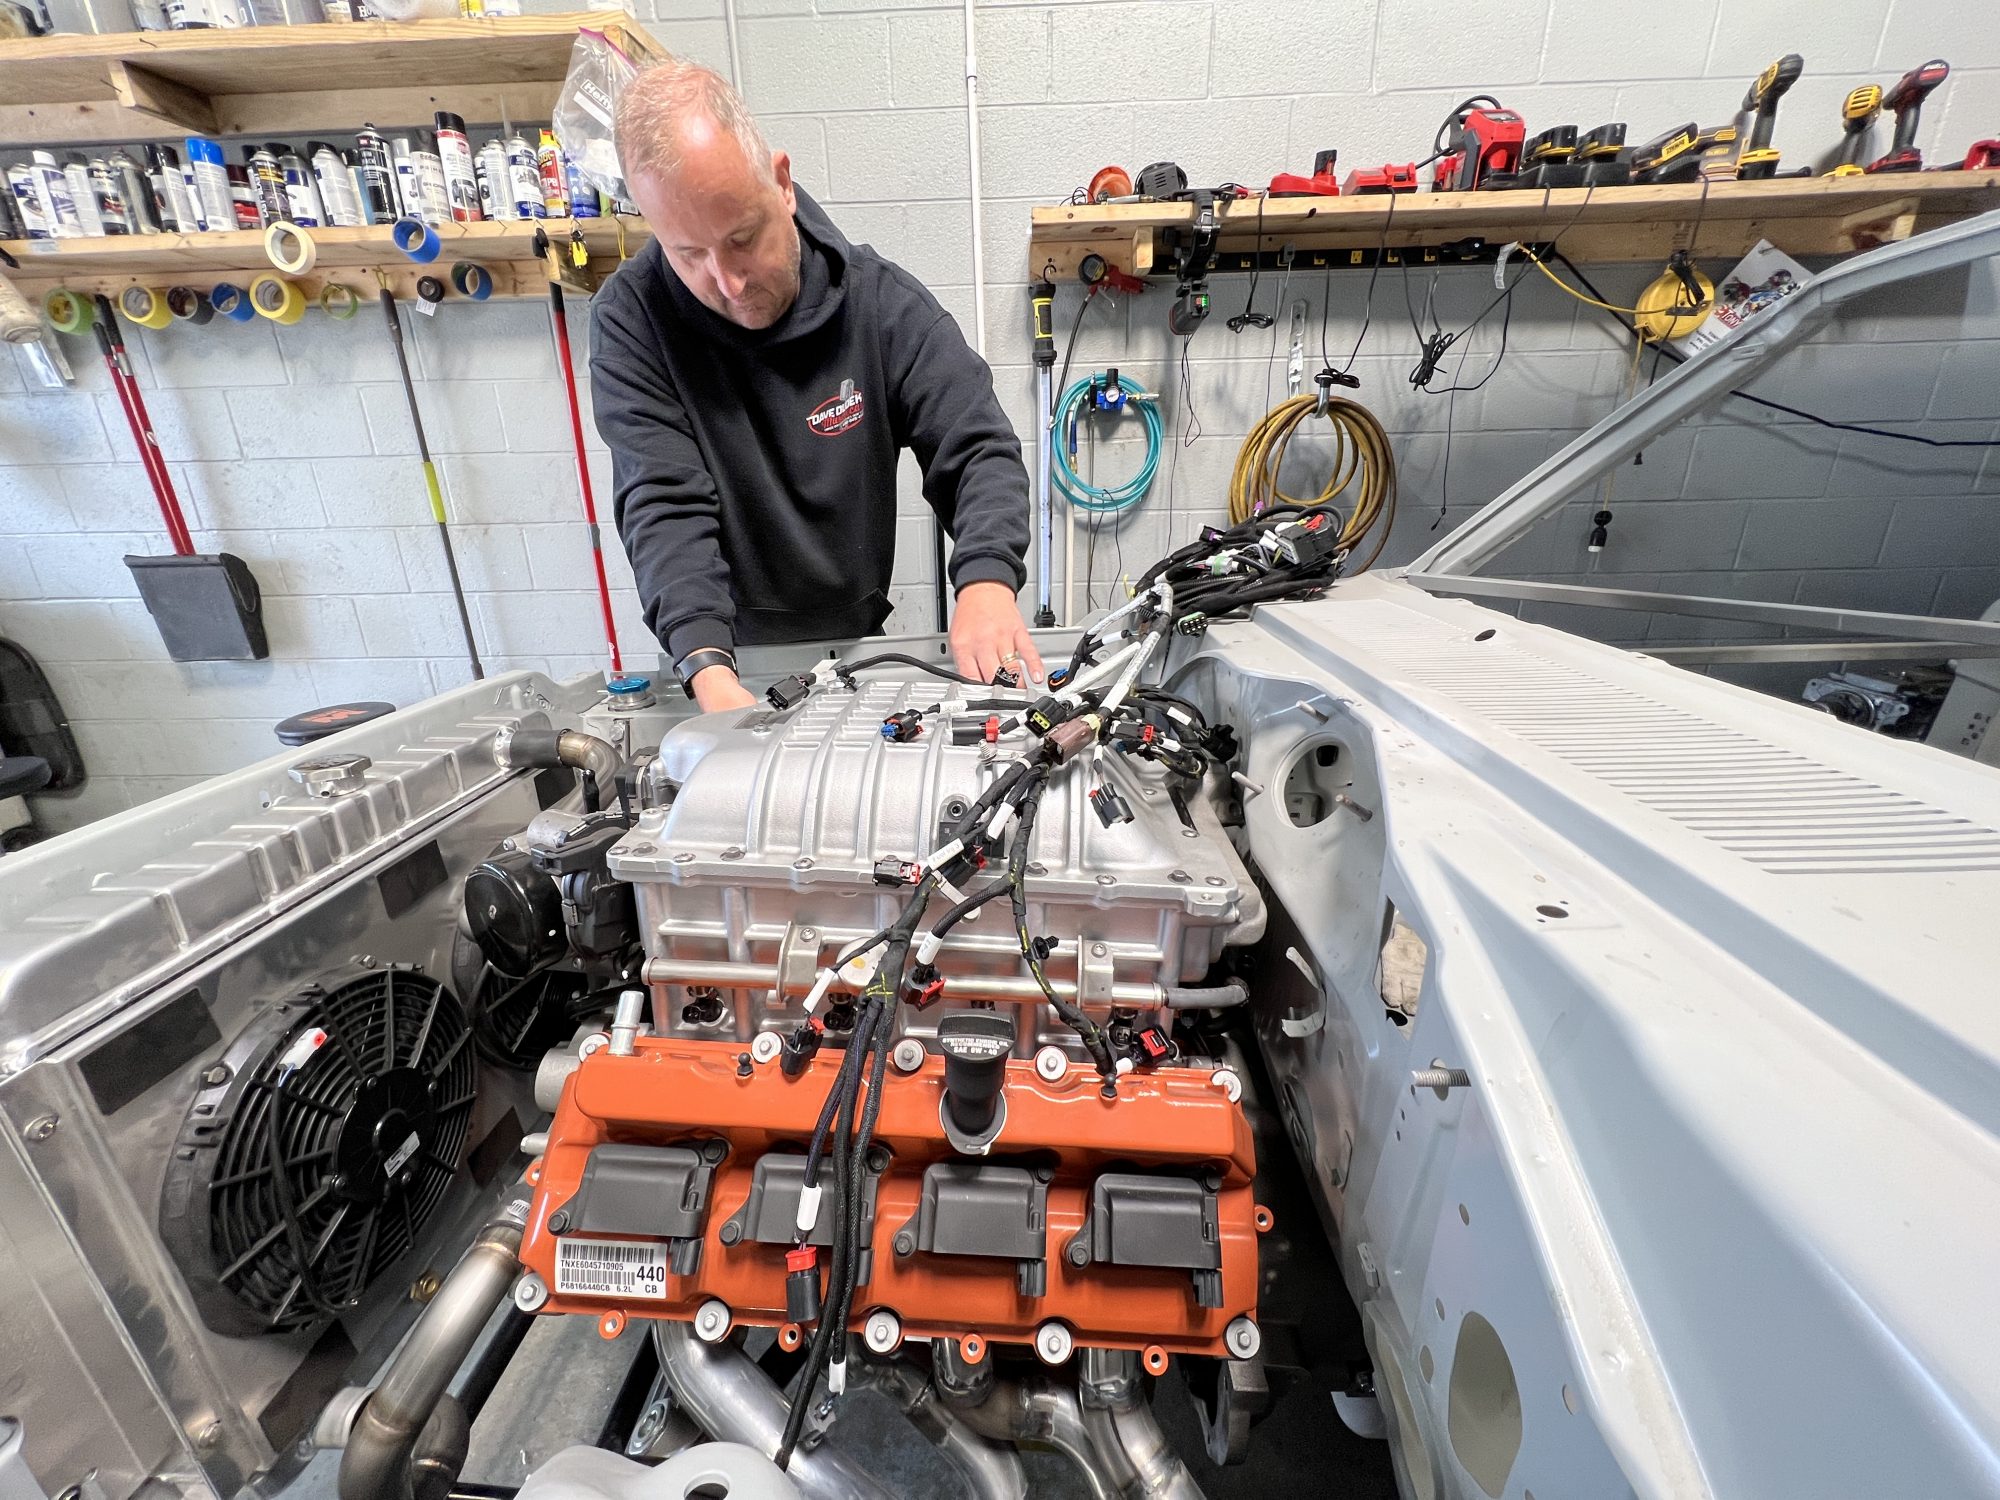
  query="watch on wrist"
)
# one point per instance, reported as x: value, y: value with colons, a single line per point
x: 700, y: 660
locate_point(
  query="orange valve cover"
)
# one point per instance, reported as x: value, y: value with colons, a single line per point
x: 1170, y: 1158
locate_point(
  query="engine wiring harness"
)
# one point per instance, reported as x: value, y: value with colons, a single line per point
x: 1095, y: 705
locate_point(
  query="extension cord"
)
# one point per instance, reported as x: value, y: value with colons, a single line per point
x: 19, y: 322
x: 1662, y: 312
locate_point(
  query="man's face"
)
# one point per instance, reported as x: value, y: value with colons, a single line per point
x: 726, y: 228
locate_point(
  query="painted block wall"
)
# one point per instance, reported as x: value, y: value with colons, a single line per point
x: 291, y: 448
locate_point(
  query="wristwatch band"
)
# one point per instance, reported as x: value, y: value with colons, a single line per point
x: 700, y: 660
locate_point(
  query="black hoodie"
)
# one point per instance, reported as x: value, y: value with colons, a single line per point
x: 754, y: 472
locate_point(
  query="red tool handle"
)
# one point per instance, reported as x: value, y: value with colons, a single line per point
x: 112, y: 343
x: 559, y: 323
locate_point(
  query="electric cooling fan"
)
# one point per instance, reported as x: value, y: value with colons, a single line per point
x: 517, y: 1019
x: 319, y: 1145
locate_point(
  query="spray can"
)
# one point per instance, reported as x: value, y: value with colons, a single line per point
x: 142, y: 214
x: 409, y: 201
x: 35, y: 221
x: 107, y: 197
x: 197, y: 15
x: 170, y: 195
x: 433, y: 192
x: 245, y: 211
x: 460, y: 181
x: 53, y: 195
x: 497, y: 188
x: 374, y: 176
x: 582, y: 196
x: 76, y: 171
x: 210, y: 179
x: 555, y: 190
x: 335, y: 177
x: 301, y: 193
x: 525, y: 178
x: 267, y: 180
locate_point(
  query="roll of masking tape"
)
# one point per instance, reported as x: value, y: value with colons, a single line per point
x: 231, y: 302
x: 416, y: 239
x: 68, y: 312
x: 430, y: 289
x: 277, y: 299
x: 469, y: 279
x: 146, y: 306
x: 189, y: 305
x: 290, y: 248
x: 338, y: 301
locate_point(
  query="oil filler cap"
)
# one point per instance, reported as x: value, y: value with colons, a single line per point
x: 975, y: 1044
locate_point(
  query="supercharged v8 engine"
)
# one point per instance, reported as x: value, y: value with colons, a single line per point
x: 1057, y: 1167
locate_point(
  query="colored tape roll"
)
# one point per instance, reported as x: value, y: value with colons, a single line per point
x: 430, y: 289
x: 68, y: 312
x: 416, y: 239
x: 189, y: 305
x: 470, y: 279
x: 145, y: 306
x: 277, y: 299
x: 290, y: 248
x: 232, y: 303
x: 338, y: 301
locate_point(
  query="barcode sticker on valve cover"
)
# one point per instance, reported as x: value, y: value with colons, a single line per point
x: 611, y: 1268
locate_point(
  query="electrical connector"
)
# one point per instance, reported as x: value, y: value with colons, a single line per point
x: 892, y: 871
x: 1194, y: 624
x: 1111, y: 809
x: 802, y: 1285
x: 901, y: 728
x: 1047, y: 713
x: 1067, y: 738
x: 1006, y: 677
x: 790, y: 692
x: 799, y: 1049
x: 1154, y: 1046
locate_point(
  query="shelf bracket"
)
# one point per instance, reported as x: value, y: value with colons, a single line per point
x: 157, y: 97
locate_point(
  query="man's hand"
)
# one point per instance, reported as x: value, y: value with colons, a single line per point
x: 717, y: 689
x: 988, y: 633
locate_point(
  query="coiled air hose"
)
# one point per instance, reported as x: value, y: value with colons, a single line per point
x: 1361, y: 459
x: 1081, y: 399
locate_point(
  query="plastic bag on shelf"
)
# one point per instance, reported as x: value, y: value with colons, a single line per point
x: 599, y: 69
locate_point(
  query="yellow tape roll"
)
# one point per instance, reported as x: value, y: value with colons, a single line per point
x: 146, y: 306
x: 277, y: 299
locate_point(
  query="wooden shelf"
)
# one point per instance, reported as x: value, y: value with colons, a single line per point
x: 352, y: 257
x: 1801, y: 216
x: 289, y: 80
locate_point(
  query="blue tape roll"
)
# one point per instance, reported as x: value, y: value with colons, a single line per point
x: 472, y: 280
x: 232, y: 302
x: 416, y: 239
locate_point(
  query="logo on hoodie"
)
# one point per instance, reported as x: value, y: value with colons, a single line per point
x: 837, y: 414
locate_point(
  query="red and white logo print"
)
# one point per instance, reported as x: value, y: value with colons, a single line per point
x: 837, y: 414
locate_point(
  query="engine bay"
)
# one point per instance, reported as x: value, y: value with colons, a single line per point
x: 1263, y: 1009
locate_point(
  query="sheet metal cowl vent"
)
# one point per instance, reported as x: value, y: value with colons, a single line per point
x: 318, y: 1147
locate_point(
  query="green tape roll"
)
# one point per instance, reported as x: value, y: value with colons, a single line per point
x: 69, y: 312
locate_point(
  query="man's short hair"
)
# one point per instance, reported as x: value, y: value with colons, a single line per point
x: 654, y: 104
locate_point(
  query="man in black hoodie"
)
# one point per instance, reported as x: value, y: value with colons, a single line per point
x: 755, y: 376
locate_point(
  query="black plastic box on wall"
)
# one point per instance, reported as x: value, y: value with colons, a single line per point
x: 208, y: 608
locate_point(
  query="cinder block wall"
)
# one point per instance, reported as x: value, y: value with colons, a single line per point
x: 291, y: 448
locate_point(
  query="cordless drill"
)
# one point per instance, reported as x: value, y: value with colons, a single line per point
x: 1906, y: 102
x: 1857, y: 113
x: 1756, y: 157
